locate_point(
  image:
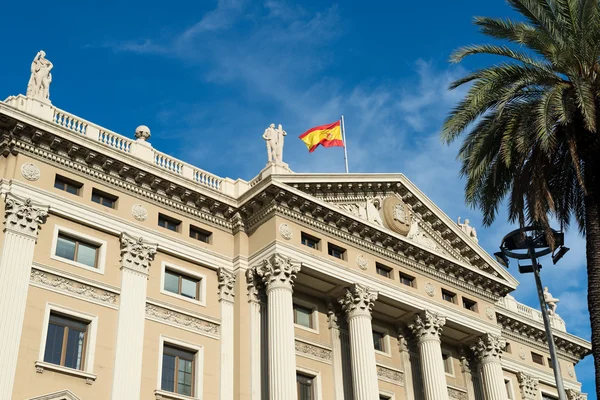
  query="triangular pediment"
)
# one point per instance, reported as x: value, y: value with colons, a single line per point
x: 61, y: 395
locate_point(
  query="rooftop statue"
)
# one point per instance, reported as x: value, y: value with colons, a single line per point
x: 39, y: 82
x: 550, y: 301
x: 468, y: 229
x: 274, y: 138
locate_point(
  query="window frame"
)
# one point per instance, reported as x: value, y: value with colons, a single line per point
x: 304, y: 235
x: 542, y: 358
x: 198, y: 367
x: 314, y: 315
x: 104, y: 195
x: 316, y: 375
x: 448, y: 361
x: 343, y: 251
x: 201, y: 301
x: 387, y: 350
x: 201, y: 231
x: 70, y: 233
x: 68, y: 181
x: 168, y: 218
x: 473, y: 308
x: 389, y: 270
x: 448, y: 292
x: 403, y: 275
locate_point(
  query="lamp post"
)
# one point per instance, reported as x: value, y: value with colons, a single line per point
x: 531, y: 243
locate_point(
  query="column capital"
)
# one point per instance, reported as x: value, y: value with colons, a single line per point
x: 255, y: 286
x: 24, y: 216
x: 136, y: 254
x: 489, y: 348
x: 573, y: 394
x: 358, y: 300
x: 428, y: 326
x: 333, y: 315
x: 402, y: 333
x: 278, y: 271
x: 226, y: 284
x: 466, y: 362
x: 528, y: 385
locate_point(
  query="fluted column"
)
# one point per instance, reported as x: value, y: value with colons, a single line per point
x: 427, y: 328
x: 23, y: 219
x: 136, y: 256
x: 336, y: 346
x: 357, y: 302
x: 226, y: 297
x: 278, y: 274
x: 528, y: 385
x: 259, y: 368
x: 409, y: 383
x: 488, y: 351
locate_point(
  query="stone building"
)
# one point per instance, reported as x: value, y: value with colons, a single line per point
x: 128, y: 274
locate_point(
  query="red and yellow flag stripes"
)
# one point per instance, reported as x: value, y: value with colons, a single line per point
x: 325, y: 135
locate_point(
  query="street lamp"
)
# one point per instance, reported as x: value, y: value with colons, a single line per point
x: 531, y: 243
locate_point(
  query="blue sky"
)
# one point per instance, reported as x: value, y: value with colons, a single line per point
x: 209, y: 76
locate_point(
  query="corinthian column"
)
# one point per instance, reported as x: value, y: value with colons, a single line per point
x: 357, y: 303
x: 226, y: 296
x: 136, y: 256
x: 427, y: 328
x: 488, y: 350
x: 278, y: 274
x: 575, y: 395
x: 23, y: 220
x: 529, y: 386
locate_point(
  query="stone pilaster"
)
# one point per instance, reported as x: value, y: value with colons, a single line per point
x: 528, y: 385
x: 334, y: 320
x: 488, y: 351
x: 226, y: 280
x: 357, y: 302
x: 466, y: 369
x: 409, y: 382
x: 136, y: 256
x: 278, y: 274
x: 427, y: 328
x: 23, y: 219
x: 259, y: 379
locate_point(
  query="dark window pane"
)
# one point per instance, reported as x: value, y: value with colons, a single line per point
x: 171, y: 282
x: 189, y: 287
x: 74, y: 354
x: 168, y: 373
x: 184, y: 377
x: 378, y: 341
x: 305, y: 387
x: 72, y: 189
x: 65, y: 248
x: 96, y: 197
x: 86, y: 254
x: 302, y: 316
x: 54, y: 341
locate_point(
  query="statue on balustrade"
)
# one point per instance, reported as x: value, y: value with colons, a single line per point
x: 39, y: 82
x: 551, y: 301
x: 274, y: 139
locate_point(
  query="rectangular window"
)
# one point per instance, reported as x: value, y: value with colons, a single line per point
x: 310, y: 241
x: 447, y: 363
x: 383, y: 270
x: 469, y: 304
x: 550, y: 363
x: 306, y: 387
x: 68, y: 185
x: 407, y: 280
x: 76, y: 250
x: 170, y: 223
x: 448, y: 296
x: 200, y: 234
x: 176, y: 282
x: 105, y: 199
x: 336, y: 251
x: 378, y: 341
x: 537, y: 358
x: 507, y: 348
x: 303, y: 316
x: 66, y: 341
x: 178, y: 370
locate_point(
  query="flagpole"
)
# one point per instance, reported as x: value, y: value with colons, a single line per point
x: 344, y: 139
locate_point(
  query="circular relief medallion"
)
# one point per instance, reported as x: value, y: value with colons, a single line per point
x: 490, y: 313
x: 522, y: 354
x: 30, y: 172
x: 429, y: 289
x: 397, y: 215
x: 285, y: 231
x: 362, y: 262
x: 571, y: 371
x: 139, y: 212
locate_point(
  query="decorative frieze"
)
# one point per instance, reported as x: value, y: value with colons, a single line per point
x: 358, y: 299
x: 312, y: 350
x: 390, y: 375
x: 528, y: 385
x: 226, y: 284
x: 23, y: 215
x: 46, y: 279
x: 183, y: 320
x: 278, y: 271
x: 489, y: 347
x: 427, y: 326
x: 136, y: 254
x: 455, y: 394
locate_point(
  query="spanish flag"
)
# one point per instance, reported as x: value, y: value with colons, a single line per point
x: 326, y: 135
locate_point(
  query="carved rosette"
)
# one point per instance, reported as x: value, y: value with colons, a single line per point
x: 136, y: 254
x: 489, y: 348
x: 278, y: 271
x: 226, y: 284
x: 358, y: 300
x: 528, y: 385
x: 30, y: 171
x: 573, y: 394
x: 23, y: 215
x: 427, y: 326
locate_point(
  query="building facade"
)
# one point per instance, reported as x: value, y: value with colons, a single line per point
x: 128, y: 274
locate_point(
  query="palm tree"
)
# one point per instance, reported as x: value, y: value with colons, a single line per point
x: 531, y: 125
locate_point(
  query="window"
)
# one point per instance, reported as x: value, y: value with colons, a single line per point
x: 546, y: 396
x: 509, y: 391
x: 68, y: 185
x: 469, y: 304
x: 105, y: 199
x: 178, y: 370
x: 407, y: 280
x: 447, y: 363
x: 176, y: 282
x: 66, y: 341
x: 170, y: 223
x: 303, y: 316
x: 306, y: 387
x: 384, y: 397
x: 310, y: 241
x: 507, y: 348
x: 76, y: 250
x: 378, y: 341
x: 383, y: 270
x: 550, y: 363
x: 336, y: 251
x: 537, y: 358
x: 200, y: 234
x: 448, y: 296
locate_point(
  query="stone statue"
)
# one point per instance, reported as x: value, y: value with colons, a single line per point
x: 280, y: 136
x: 39, y: 82
x: 550, y: 301
x: 275, y: 138
x: 468, y: 229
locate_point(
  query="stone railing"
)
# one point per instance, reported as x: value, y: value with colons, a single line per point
x: 511, y: 304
